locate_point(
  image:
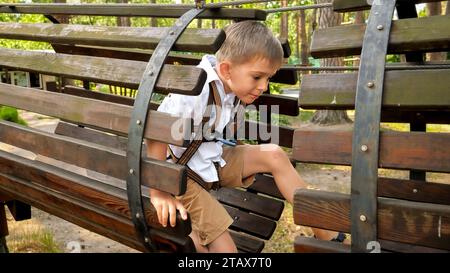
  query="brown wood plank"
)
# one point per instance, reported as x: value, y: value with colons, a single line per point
x: 283, y: 137
x: 265, y: 184
x: 123, y: 53
x: 247, y: 244
x: 407, y: 35
x: 311, y: 245
x: 134, y: 10
x: 81, y: 92
x: 408, y: 248
x: 409, y: 89
x: 91, y: 135
x: 192, y: 39
x: 187, y: 80
x: 3, y: 222
x: 286, y: 105
x: 252, y: 224
x: 416, y: 223
x: 256, y: 204
x: 109, y: 161
x: 108, y: 116
x: 85, y: 215
x: 354, y: 5
x: 414, y: 190
x: 108, y: 197
x: 398, y: 150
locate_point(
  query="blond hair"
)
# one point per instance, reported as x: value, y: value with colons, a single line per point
x: 247, y: 40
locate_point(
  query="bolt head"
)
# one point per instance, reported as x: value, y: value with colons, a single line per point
x: 171, y: 32
x: 414, y: 190
x: 380, y: 27
x: 146, y: 239
x: 364, y: 148
x: 138, y: 122
x: 151, y: 73
x: 138, y: 215
x: 370, y: 84
x: 363, y: 218
x: 131, y: 171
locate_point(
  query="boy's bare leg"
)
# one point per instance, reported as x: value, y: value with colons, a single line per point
x: 271, y: 158
x: 223, y: 244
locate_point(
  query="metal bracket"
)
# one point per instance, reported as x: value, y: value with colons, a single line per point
x: 138, y: 122
x: 366, y: 132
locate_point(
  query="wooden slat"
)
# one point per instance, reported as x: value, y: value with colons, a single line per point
x: 247, y: 244
x: 187, y: 80
x: 311, y: 245
x: 113, y: 162
x: 91, y: 135
x: 266, y: 185
x: 123, y: 53
x: 398, y: 150
x: 414, y: 190
x: 252, y: 224
x: 134, y: 10
x: 108, y: 197
x: 428, y: 117
x: 354, y: 5
x: 416, y: 223
x: 198, y: 40
x: 408, y: 248
x: 407, y: 35
x: 282, y: 138
x: 256, y: 204
x: 409, y: 89
x: 81, y: 92
x: 108, y: 116
x: 286, y: 105
x: 85, y: 215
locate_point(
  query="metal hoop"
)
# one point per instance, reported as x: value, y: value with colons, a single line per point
x: 366, y: 132
x: 138, y: 122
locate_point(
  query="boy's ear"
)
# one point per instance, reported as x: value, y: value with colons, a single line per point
x: 225, y: 69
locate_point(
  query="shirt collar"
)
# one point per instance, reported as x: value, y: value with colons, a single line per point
x: 208, y: 63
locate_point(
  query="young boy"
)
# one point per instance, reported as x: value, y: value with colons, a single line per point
x: 245, y: 62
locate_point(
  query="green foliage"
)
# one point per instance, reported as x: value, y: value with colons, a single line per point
x: 11, y: 114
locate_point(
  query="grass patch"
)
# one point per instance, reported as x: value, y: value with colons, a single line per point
x: 11, y: 114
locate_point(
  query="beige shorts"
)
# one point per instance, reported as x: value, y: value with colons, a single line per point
x: 209, y: 218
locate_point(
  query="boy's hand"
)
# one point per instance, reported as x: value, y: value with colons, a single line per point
x: 166, y: 207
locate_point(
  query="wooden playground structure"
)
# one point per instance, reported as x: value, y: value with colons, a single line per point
x: 104, y: 132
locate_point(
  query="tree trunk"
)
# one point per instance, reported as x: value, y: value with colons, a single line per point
x: 303, y: 39
x: 284, y: 21
x: 432, y: 10
x: 123, y: 21
x: 62, y: 19
x: 328, y: 18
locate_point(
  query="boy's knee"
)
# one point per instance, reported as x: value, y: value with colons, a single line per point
x: 274, y: 153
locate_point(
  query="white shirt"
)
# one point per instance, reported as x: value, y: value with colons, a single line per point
x: 194, y: 107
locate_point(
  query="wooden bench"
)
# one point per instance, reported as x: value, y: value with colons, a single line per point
x: 381, y: 213
x: 92, y: 136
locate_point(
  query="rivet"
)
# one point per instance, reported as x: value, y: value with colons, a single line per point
x: 150, y: 73
x: 131, y: 171
x: 414, y: 190
x: 364, y: 148
x: 236, y: 218
x: 370, y: 84
x: 138, y: 122
x: 245, y: 199
x: 138, y: 215
x: 146, y: 239
x: 380, y: 27
x: 171, y: 32
x: 363, y: 218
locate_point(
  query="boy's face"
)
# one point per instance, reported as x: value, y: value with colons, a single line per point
x: 250, y: 79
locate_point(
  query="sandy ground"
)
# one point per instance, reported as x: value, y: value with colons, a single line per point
x: 72, y: 238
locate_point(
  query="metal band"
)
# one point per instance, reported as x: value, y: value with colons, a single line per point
x: 138, y: 121
x: 366, y: 130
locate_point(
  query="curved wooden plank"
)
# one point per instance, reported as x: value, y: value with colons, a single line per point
x: 188, y: 80
x: 197, y: 40
x: 407, y: 35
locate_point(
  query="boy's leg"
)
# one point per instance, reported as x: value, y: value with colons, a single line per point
x: 272, y: 159
x: 222, y: 244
